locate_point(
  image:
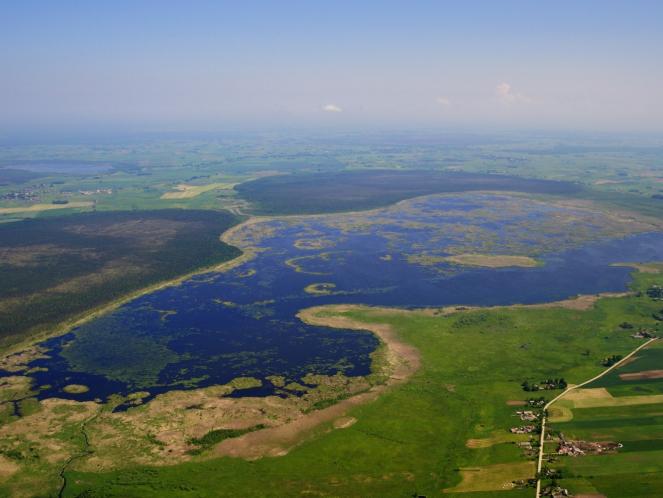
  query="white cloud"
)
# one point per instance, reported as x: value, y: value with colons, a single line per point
x: 443, y: 101
x: 331, y: 108
x: 506, y: 94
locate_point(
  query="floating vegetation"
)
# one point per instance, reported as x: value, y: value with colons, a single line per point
x: 321, y: 289
x: 277, y: 380
x: 314, y: 244
x: 482, y: 260
x: 296, y: 263
x: 245, y: 383
x: 118, y: 354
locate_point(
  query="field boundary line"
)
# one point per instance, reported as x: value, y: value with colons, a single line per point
x: 542, y: 436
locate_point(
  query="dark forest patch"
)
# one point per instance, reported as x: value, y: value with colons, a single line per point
x: 53, y: 268
x: 367, y: 189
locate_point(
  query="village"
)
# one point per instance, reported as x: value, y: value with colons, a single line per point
x: 532, y: 415
x: 36, y: 193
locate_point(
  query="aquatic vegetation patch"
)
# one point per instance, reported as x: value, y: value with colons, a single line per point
x: 314, y: 244
x: 481, y: 260
x: 493, y: 260
x: 298, y: 263
x: 246, y: 274
x: 119, y: 355
x: 320, y: 288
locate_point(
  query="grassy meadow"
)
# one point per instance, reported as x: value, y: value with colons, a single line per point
x: 443, y: 433
x: 623, y: 409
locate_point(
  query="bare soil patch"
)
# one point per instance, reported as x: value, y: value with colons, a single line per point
x: 644, y: 375
x: 344, y: 422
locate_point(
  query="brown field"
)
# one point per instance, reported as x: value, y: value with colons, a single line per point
x: 644, y: 375
x: 183, y: 191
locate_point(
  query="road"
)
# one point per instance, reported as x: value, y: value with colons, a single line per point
x: 566, y: 391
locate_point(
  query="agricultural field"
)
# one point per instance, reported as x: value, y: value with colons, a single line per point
x: 620, y: 414
x: 145, y: 174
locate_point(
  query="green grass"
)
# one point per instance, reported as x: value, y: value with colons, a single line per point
x: 635, y: 469
x: 412, y: 439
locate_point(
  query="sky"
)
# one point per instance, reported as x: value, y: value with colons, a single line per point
x: 204, y: 65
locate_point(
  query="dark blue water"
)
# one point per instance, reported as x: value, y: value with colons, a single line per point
x: 219, y: 326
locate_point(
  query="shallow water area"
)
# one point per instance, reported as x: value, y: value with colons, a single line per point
x: 216, y: 327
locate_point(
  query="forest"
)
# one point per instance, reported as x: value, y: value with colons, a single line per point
x: 57, y: 267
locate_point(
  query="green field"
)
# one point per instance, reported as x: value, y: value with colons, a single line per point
x: 619, y: 407
x: 414, y: 438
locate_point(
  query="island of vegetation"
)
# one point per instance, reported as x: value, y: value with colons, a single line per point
x: 491, y: 260
x: 75, y: 389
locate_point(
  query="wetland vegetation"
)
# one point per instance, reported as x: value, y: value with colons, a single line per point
x: 263, y: 376
x: 471, y: 370
x: 240, y: 376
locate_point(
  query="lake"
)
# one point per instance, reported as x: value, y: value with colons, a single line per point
x: 218, y: 326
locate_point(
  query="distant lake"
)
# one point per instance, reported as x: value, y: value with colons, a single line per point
x: 57, y: 166
x: 218, y: 326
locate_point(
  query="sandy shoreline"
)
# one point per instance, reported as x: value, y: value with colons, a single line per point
x: 402, y: 361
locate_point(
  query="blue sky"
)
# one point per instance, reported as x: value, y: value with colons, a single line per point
x: 569, y: 65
